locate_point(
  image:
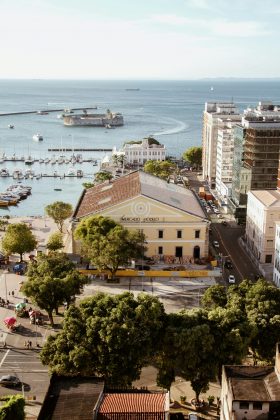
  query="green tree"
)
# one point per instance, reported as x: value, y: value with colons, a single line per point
x: 214, y: 296
x: 262, y: 304
x: 55, y: 242
x: 59, y: 212
x: 12, y: 407
x: 87, y: 185
x: 193, y: 155
x: 108, y: 244
x: 51, y: 281
x: 161, y: 169
x: 103, y: 176
x: 18, y: 239
x: 108, y: 336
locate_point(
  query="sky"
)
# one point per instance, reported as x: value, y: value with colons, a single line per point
x: 145, y: 39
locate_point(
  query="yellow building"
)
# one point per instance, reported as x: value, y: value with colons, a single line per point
x: 170, y: 216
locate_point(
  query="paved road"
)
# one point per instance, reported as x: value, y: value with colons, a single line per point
x: 26, y: 365
x: 228, y: 236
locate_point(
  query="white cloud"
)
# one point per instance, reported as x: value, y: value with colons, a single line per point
x: 238, y: 29
x: 200, y: 4
x: 170, y: 19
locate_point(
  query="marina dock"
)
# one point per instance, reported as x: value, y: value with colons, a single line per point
x: 78, y: 150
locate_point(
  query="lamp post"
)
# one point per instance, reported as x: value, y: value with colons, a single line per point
x: 5, y: 281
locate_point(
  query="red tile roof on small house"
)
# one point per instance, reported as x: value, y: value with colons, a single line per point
x: 133, y: 403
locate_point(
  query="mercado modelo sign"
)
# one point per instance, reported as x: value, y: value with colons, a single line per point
x: 140, y: 219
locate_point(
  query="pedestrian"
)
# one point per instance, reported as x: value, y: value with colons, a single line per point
x: 30, y: 344
x: 13, y: 293
x: 27, y: 344
x: 9, y: 293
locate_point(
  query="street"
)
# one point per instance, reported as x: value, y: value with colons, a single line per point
x: 228, y: 236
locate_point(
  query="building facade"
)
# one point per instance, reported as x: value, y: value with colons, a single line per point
x: 169, y: 215
x: 263, y: 211
x: 251, y: 392
x: 276, y: 261
x: 138, y: 153
x: 256, y: 154
x: 224, y: 162
x: 214, y: 114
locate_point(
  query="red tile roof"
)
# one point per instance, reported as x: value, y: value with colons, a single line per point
x: 133, y: 403
x: 117, y: 191
x: 100, y: 197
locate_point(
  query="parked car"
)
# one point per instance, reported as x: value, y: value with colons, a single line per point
x: 20, y: 268
x: 216, y: 244
x: 9, y: 380
x: 228, y: 264
x: 231, y: 279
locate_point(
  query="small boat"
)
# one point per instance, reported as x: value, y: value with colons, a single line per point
x: 60, y: 160
x: 47, y: 160
x: 71, y: 172
x: 67, y: 161
x: 80, y: 173
x: 4, y: 203
x: 11, y: 126
x: 17, y: 174
x: 38, y: 137
x: 94, y: 162
x: 29, y: 160
x: 4, y: 172
x: 55, y: 174
x: 53, y: 160
x: 57, y: 189
x: 41, y: 160
x: 12, y: 200
x: 39, y: 176
x: 42, y: 112
x: 108, y: 126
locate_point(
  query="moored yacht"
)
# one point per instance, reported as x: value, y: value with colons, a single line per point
x: 38, y: 137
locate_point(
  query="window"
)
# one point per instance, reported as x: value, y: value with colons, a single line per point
x: 197, y: 234
x: 257, y: 405
x: 268, y: 258
x: 179, y: 234
x: 244, y: 405
x: 160, y: 233
x: 160, y: 250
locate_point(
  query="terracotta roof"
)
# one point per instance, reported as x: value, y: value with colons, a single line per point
x: 133, y: 403
x: 96, y: 199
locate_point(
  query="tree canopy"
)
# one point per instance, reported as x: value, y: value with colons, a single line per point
x: 55, y: 242
x: 108, y: 244
x: 111, y: 336
x: 59, y: 212
x: 102, y: 176
x: 194, y: 156
x: 18, y: 239
x: 161, y: 169
x: 51, y: 281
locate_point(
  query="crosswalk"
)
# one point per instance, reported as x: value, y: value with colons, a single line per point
x: 17, y: 360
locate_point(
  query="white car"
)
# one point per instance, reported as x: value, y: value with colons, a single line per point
x: 231, y: 279
x: 216, y: 244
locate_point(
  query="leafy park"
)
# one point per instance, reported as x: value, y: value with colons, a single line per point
x: 114, y: 337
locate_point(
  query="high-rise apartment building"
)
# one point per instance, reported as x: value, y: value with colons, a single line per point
x: 214, y: 115
x: 224, y: 160
x: 256, y: 154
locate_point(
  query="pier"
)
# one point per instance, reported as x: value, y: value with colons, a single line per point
x: 42, y: 111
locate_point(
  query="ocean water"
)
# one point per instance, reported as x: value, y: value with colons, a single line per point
x: 171, y: 111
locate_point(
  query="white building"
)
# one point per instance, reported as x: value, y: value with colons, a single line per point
x: 251, y: 392
x: 276, y: 262
x: 139, y: 152
x: 263, y: 210
x: 213, y: 115
x: 224, y: 162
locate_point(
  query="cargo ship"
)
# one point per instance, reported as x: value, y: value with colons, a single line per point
x: 112, y: 119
